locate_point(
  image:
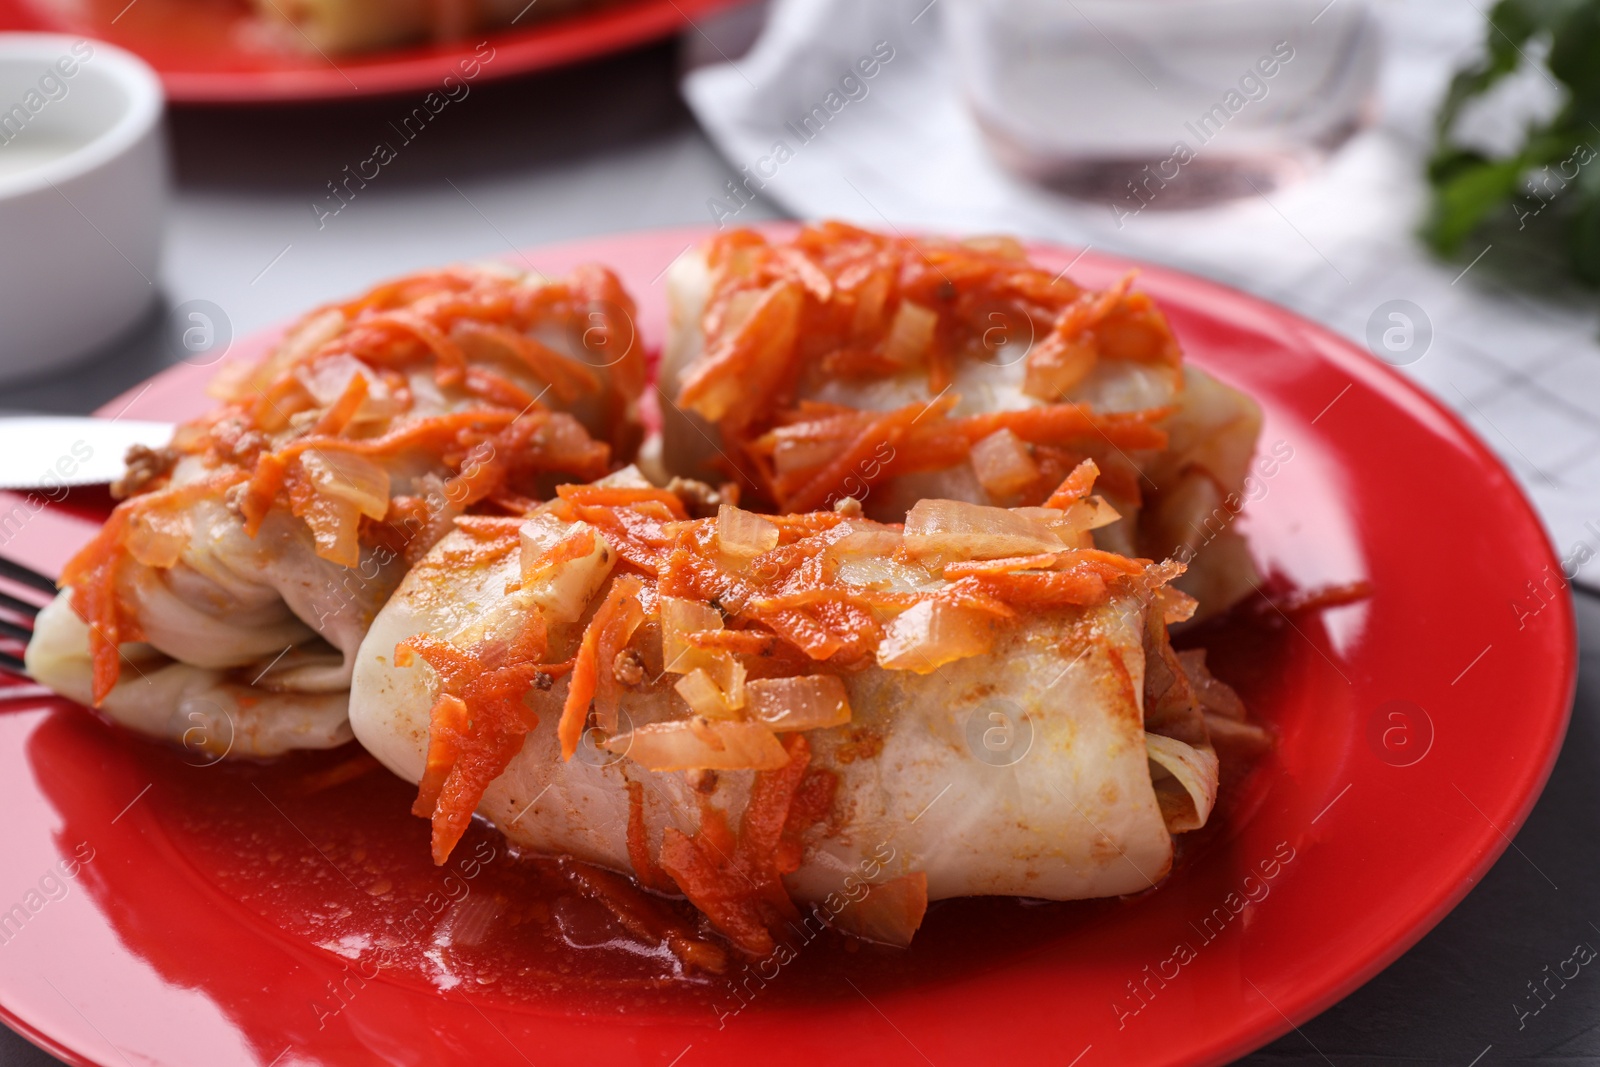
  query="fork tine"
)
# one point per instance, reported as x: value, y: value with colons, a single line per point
x: 13, y: 694
x: 21, y: 607
x: 13, y: 664
x: 24, y: 576
x: 11, y: 629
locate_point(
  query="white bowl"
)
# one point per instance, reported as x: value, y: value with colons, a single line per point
x: 83, y: 179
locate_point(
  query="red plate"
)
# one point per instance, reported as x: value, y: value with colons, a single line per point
x: 1416, y: 730
x: 211, y: 52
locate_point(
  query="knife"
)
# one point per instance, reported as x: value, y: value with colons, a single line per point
x: 50, y: 452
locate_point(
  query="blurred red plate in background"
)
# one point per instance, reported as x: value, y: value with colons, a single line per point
x: 225, y: 914
x: 213, y: 51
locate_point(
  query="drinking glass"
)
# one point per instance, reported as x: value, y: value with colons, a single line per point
x: 1164, y: 103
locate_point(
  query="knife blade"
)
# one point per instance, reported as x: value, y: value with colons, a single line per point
x: 49, y: 452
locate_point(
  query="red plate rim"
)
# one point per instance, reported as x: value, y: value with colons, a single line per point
x: 543, y: 46
x: 1450, y: 875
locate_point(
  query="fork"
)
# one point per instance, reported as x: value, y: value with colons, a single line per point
x: 16, y: 625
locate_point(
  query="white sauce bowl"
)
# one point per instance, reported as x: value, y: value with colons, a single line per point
x: 83, y: 186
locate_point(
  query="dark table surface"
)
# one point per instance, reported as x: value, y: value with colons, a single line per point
x: 609, y: 147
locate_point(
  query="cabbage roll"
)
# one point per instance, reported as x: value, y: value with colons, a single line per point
x: 770, y: 713
x: 845, y: 363
x: 223, y: 602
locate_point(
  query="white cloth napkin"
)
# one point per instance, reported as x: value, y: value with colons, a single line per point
x: 1523, y: 370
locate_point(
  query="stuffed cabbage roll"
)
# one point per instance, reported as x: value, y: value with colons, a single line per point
x: 849, y: 363
x: 766, y: 713
x: 224, y: 601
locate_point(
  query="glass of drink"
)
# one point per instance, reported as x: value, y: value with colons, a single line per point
x: 1164, y: 103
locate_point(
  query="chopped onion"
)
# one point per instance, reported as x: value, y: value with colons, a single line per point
x: 1159, y: 574
x: 335, y: 525
x: 158, y: 536
x: 1176, y: 605
x: 812, y: 702
x: 974, y: 531
x: 744, y: 534
x: 629, y: 477
x: 310, y: 335
x: 346, y: 476
x: 701, y: 728
x: 680, y: 617
x: 1090, y: 513
x: 327, y: 379
x: 1094, y: 512
x: 847, y: 506
x: 932, y: 633
x: 863, y: 539
x: 865, y: 556
x: 560, y: 584
x: 1073, y: 523
x: 1185, y: 781
x: 426, y: 396
x: 886, y: 572
x: 1056, y: 365
x: 706, y: 698
x: 538, y: 536
x: 794, y: 450
x: 702, y: 745
x: 1003, y: 464
x: 890, y: 913
x: 727, y: 672
x: 910, y: 334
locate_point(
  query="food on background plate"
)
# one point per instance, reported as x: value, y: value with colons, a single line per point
x: 846, y: 363
x: 369, y: 25
x: 764, y: 712
x: 222, y: 604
